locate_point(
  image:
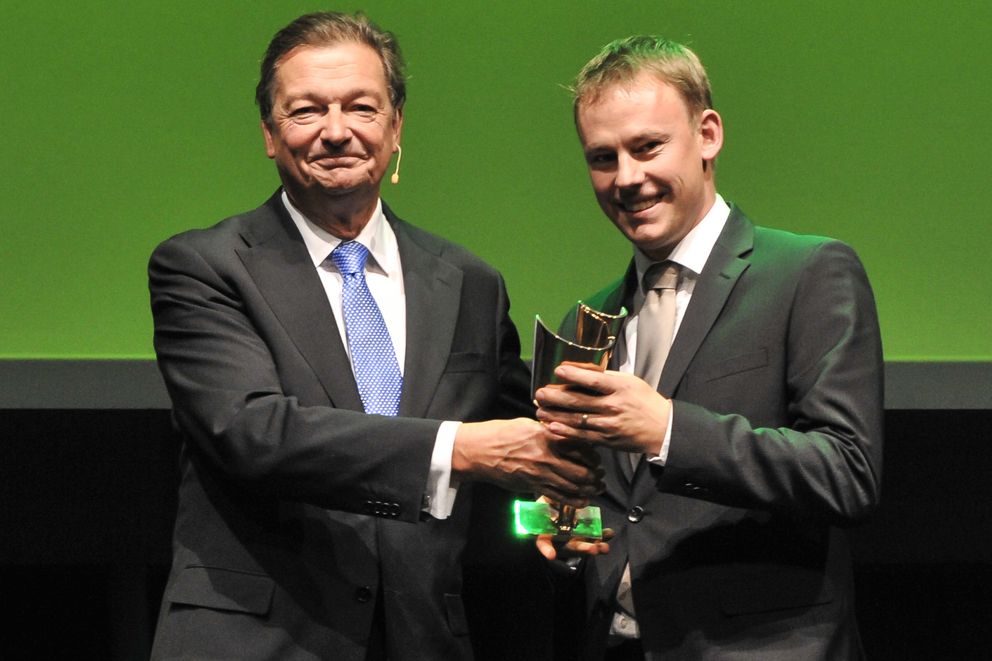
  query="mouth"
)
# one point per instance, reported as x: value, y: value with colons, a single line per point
x: 640, y: 204
x: 334, y: 160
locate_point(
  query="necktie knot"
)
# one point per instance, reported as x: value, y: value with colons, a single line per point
x: 350, y: 257
x: 663, y: 275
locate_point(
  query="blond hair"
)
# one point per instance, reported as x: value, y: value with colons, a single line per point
x: 620, y: 61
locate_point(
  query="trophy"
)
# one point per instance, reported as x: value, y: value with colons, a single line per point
x: 590, y: 345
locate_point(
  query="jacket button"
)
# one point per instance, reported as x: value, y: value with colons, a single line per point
x: 635, y: 514
x: 363, y: 594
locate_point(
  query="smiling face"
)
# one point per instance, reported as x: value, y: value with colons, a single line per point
x: 333, y: 129
x: 646, y: 158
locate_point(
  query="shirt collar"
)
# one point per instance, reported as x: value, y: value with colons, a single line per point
x: 377, y: 236
x: 694, y: 249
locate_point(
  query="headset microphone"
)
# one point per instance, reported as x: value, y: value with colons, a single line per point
x: 396, y: 174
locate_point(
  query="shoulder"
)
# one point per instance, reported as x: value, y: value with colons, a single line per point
x: 243, y: 227
x: 804, y: 264
x: 782, y: 241
x: 774, y: 248
x: 227, y: 235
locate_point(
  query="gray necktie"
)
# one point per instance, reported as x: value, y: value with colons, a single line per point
x: 656, y: 321
x: 655, y: 331
x: 655, y: 326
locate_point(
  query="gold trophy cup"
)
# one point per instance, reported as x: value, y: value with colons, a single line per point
x: 589, y: 344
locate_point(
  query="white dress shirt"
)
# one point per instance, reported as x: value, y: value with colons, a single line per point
x: 691, y: 254
x: 384, y: 276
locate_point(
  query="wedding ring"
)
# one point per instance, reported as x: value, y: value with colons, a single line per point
x: 585, y: 420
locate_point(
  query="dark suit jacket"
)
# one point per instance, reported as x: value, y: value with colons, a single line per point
x: 735, y: 544
x: 298, y: 513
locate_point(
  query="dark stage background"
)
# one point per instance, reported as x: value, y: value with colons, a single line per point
x: 88, y: 500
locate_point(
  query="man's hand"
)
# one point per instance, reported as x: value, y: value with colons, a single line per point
x: 574, y: 545
x: 522, y: 455
x: 609, y: 408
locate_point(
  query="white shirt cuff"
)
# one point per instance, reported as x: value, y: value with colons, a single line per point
x: 439, y: 498
x: 663, y: 455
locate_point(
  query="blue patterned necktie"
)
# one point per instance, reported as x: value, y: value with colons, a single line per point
x: 376, y: 370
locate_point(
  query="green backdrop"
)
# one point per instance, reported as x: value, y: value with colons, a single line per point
x: 126, y: 122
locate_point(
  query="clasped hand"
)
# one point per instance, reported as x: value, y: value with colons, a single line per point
x: 522, y: 455
x: 612, y: 409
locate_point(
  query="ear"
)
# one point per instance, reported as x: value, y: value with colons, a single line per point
x: 397, y: 128
x: 270, y: 145
x: 710, y: 134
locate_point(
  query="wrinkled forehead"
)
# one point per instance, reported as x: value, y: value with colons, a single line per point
x: 341, y: 58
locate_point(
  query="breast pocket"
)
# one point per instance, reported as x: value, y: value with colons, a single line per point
x: 222, y: 589
x: 783, y: 591
x: 732, y: 366
x: 465, y: 361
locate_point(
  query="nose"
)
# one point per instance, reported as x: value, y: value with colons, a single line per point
x: 335, y: 128
x: 629, y: 171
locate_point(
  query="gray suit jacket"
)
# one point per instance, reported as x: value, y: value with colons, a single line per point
x: 298, y: 512
x: 735, y: 545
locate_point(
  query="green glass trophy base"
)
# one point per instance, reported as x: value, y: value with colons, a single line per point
x: 536, y: 518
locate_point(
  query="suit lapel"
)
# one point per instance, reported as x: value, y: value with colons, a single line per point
x: 723, y: 268
x: 433, y: 297
x: 727, y: 261
x: 278, y: 262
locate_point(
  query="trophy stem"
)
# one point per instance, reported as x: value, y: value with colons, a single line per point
x: 565, y: 523
x: 540, y: 518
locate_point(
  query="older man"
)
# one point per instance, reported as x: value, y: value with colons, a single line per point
x: 320, y: 354
x: 740, y: 426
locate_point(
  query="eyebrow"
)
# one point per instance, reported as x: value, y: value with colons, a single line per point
x: 308, y: 94
x: 653, y: 135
